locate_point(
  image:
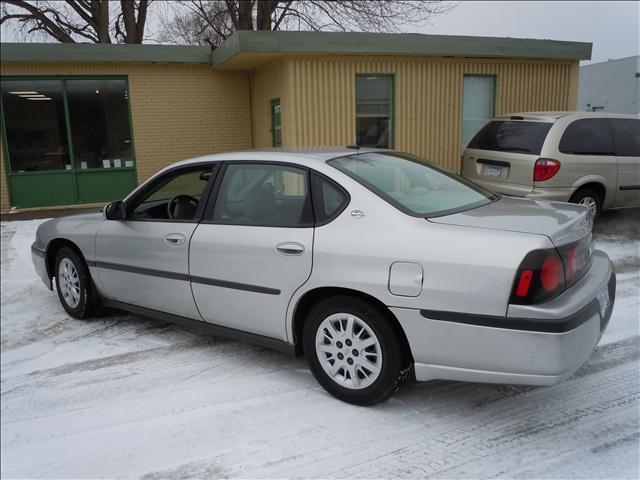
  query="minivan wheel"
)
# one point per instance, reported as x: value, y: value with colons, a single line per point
x: 352, y: 350
x: 590, y: 199
x: 73, y: 283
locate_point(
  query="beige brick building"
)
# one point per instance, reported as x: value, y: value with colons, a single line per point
x: 85, y: 123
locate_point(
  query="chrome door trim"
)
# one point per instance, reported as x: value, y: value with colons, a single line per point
x: 185, y: 277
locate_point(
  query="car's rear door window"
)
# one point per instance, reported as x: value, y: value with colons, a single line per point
x: 411, y: 185
x: 262, y: 194
x: 511, y: 136
x: 329, y: 199
x: 587, y: 136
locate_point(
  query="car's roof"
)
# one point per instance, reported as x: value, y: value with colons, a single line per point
x: 552, y: 116
x: 303, y: 156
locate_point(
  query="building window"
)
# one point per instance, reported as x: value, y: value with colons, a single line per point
x: 66, y: 140
x: 478, y: 105
x: 35, y: 125
x: 99, y: 119
x: 374, y: 110
x: 276, y: 123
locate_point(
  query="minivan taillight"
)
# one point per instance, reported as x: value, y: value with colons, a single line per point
x: 545, y: 169
x: 543, y: 274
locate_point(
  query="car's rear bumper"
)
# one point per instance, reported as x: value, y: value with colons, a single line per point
x: 40, y: 265
x: 533, y: 345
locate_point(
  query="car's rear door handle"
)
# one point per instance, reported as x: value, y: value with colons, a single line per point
x: 290, y: 248
x: 175, y: 239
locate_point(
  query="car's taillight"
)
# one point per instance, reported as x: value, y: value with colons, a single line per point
x: 551, y: 273
x: 576, y: 258
x: 543, y: 274
x: 540, y: 277
x: 545, y: 168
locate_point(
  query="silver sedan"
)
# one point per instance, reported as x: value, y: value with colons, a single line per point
x: 376, y: 265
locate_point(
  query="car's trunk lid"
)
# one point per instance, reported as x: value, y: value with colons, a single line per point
x: 561, y: 222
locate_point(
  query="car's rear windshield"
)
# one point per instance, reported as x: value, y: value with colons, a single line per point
x: 414, y: 186
x: 511, y: 136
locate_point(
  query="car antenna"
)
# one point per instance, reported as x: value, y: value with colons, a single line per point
x: 354, y: 146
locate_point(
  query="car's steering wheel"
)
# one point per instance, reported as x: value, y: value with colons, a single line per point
x: 181, y: 198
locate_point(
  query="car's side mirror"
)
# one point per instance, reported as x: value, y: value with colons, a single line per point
x: 115, y: 211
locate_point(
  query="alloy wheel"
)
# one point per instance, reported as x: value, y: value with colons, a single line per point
x: 69, y: 282
x: 591, y: 204
x: 348, y: 351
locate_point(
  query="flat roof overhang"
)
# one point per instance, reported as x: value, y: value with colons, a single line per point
x: 101, y: 52
x: 247, y: 50
x: 250, y: 49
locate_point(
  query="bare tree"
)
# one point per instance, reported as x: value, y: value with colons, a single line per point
x: 213, y: 21
x: 72, y: 21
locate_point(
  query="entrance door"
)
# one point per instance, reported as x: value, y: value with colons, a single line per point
x: 253, y: 248
x: 143, y: 260
x: 478, y: 105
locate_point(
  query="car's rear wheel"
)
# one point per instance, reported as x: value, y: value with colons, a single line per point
x: 590, y: 199
x: 353, y: 350
x: 73, y: 283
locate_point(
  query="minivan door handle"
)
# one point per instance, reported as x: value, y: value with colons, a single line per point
x: 175, y: 239
x: 290, y: 248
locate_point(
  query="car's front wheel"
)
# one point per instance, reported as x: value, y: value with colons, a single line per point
x: 73, y: 283
x: 353, y: 350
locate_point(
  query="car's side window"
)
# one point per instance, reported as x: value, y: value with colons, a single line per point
x: 175, y: 197
x: 329, y: 199
x: 589, y: 136
x: 263, y: 194
x: 626, y: 133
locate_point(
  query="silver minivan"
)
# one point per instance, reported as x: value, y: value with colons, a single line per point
x: 580, y: 157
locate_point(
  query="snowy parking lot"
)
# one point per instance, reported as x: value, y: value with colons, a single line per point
x: 125, y: 396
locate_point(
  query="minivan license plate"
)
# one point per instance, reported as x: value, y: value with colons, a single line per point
x: 603, y: 300
x: 492, y: 170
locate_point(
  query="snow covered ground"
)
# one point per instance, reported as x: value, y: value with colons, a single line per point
x: 123, y: 396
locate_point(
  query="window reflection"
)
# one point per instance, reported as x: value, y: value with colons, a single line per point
x: 99, y: 118
x: 35, y: 125
x: 374, y: 104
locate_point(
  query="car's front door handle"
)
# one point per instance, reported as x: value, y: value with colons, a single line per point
x: 175, y: 239
x: 290, y: 248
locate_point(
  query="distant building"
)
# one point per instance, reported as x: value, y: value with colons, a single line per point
x: 612, y: 86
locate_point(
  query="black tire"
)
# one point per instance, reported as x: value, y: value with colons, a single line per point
x: 585, y: 193
x: 389, y: 377
x: 85, y: 305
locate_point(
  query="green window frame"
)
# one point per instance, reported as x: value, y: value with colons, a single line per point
x: 276, y: 123
x: 391, y: 107
x: 86, y: 185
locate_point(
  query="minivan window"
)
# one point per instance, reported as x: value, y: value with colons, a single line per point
x: 589, y: 136
x: 626, y: 135
x: 413, y: 185
x: 511, y: 136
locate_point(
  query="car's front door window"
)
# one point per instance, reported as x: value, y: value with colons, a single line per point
x: 175, y: 198
x: 263, y: 195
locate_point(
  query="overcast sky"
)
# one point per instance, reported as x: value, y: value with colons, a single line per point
x: 612, y: 27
